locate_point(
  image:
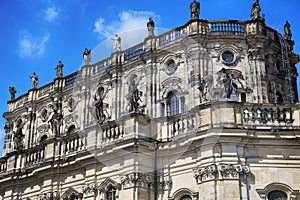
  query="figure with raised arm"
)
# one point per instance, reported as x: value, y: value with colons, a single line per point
x: 87, y: 56
x: 34, y: 80
x: 117, y: 39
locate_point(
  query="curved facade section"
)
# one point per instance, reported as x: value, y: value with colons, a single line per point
x: 207, y: 110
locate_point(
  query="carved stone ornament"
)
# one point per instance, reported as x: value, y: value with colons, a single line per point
x: 69, y: 121
x: 43, y: 129
x: 205, y: 173
x: 230, y: 171
x: 137, y: 179
x: 44, y: 114
x: 89, y: 188
x: 171, y: 84
x: 222, y: 171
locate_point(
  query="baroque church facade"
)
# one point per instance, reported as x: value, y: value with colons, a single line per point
x: 207, y: 110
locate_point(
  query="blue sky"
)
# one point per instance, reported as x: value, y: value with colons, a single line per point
x: 36, y: 34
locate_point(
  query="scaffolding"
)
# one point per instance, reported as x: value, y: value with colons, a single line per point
x: 286, y: 69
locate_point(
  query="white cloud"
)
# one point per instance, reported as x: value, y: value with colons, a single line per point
x: 50, y: 14
x: 32, y: 46
x: 131, y: 26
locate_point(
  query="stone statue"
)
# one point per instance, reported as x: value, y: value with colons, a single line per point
x: 201, y: 90
x: 287, y: 31
x: 55, y: 121
x: 150, y: 26
x: 18, y: 135
x: 56, y: 116
x: 195, y: 9
x: 58, y: 68
x: 12, y: 91
x: 99, y: 109
x: 87, y: 56
x: 224, y: 83
x: 255, y: 12
x: 117, y: 39
x: 135, y: 100
x: 34, y: 80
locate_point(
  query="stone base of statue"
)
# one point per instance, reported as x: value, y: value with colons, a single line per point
x: 137, y: 124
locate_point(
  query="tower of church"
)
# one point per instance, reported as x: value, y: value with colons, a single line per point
x: 207, y: 110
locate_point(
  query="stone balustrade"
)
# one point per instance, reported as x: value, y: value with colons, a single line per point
x: 71, y: 144
x: 268, y: 115
x: 233, y: 26
x: 171, y: 36
x: 182, y: 124
x: 134, y: 51
x: 111, y: 131
x: 45, y: 90
x: 70, y: 79
x: 34, y: 156
x: 3, y: 165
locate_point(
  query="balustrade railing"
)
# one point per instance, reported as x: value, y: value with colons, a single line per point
x: 3, y: 165
x: 182, y: 124
x: 268, y: 115
x: 111, y: 132
x: 21, y: 100
x: 134, y: 51
x: 102, y: 66
x: 226, y: 26
x: 71, y: 144
x: 72, y: 78
x: 34, y: 157
x: 46, y: 89
x: 171, y: 36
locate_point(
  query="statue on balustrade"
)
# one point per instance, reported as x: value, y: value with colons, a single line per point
x: 18, y: 135
x: 34, y: 80
x: 58, y: 68
x: 87, y: 56
x: 287, y: 31
x: 255, y: 12
x: 12, y: 91
x: 195, y: 9
x: 117, y: 45
x: 150, y: 26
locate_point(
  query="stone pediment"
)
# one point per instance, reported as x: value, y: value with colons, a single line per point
x: 71, y: 193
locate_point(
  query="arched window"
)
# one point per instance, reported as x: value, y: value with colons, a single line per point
x: 172, y: 104
x: 277, y: 195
